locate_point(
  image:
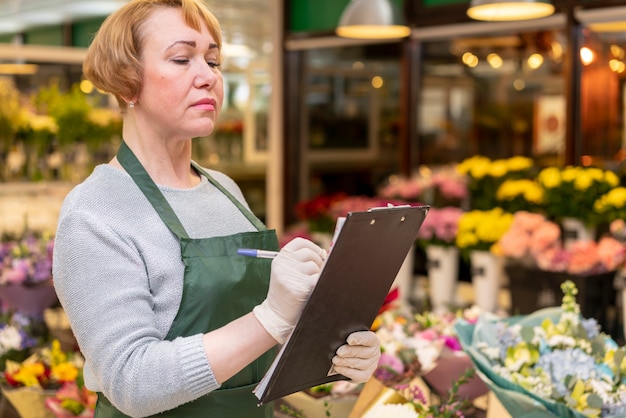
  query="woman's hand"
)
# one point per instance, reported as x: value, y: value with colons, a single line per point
x: 358, y: 359
x: 295, y: 272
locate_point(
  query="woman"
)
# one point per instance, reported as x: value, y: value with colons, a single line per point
x: 169, y: 318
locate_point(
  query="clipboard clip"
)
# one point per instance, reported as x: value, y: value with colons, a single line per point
x: 389, y: 206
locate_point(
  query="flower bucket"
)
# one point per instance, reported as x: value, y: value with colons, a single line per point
x: 28, y: 300
x: 29, y: 402
x: 404, y: 279
x: 487, y: 273
x: 312, y: 407
x: 450, y: 367
x: 443, y: 271
x: 533, y: 289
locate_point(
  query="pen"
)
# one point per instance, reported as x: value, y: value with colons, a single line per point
x: 249, y: 252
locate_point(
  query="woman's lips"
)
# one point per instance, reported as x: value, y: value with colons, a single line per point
x: 206, y: 104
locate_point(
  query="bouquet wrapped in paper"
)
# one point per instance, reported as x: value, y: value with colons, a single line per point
x: 551, y: 363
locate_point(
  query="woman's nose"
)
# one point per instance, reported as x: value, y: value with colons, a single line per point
x: 207, y: 76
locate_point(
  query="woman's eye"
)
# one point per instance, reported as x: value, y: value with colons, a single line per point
x: 213, y: 64
x: 181, y: 61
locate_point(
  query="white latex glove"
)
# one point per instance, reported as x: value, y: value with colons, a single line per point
x: 358, y: 359
x: 295, y: 271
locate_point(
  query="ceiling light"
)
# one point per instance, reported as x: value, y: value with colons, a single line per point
x: 371, y: 19
x: 507, y: 10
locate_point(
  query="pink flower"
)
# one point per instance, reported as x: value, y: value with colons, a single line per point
x: 441, y: 225
x: 546, y: 235
x: 452, y: 343
x: 611, y: 253
x: 429, y: 334
x: 527, y: 221
x: 515, y: 243
x: 583, y: 257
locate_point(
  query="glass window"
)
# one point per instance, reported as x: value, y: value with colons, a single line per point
x: 498, y: 96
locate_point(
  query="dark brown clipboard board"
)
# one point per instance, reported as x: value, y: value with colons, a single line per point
x: 358, y: 274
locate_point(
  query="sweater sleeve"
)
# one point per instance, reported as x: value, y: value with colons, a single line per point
x: 102, y: 283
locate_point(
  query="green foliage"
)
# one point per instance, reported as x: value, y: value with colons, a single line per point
x: 9, y: 110
x: 77, y: 118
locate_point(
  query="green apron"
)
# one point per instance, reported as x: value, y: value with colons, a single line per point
x: 219, y: 287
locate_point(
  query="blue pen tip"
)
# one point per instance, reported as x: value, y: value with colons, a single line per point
x: 247, y: 252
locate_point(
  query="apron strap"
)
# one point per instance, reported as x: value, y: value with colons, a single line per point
x: 131, y: 164
x: 253, y: 219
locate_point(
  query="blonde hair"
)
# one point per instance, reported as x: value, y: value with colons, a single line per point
x: 113, y: 62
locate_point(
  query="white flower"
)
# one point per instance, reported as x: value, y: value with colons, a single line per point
x: 392, y: 411
x: 10, y: 339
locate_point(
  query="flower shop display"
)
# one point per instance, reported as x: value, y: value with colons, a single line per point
x: 419, y: 347
x: 335, y: 399
x: 19, y: 335
x: 437, y: 235
x: 570, y: 194
x: 537, y: 263
x: 48, y: 373
x: 478, y: 232
x: 26, y: 273
x: 520, y: 195
x: 438, y: 186
x: 551, y: 363
x: 611, y: 206
x: 485, y: 176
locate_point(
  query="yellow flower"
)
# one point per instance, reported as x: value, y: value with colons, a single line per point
x: 476, y: 166
x: 580, y: 398
x: 611, y: 178
x: 480, y: 230
x: 498, y: 168
x: 519, y: 163
x: 29, y: 374
x: 550, y: 177
x: 65, y: 372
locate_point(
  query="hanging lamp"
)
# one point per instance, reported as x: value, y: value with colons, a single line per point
x: 371, y: 19
x: 508, y: 10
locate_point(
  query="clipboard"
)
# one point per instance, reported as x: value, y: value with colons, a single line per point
x: 356, y: 278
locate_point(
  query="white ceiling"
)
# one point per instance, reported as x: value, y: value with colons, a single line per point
x: 244, y: 22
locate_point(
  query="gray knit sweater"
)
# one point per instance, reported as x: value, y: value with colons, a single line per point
x: 119, y: 276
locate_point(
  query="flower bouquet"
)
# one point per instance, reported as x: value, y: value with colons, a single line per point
x: 19, y: 334
x: 551, y: 363
x: 48, y: 373
x: 26, y: 274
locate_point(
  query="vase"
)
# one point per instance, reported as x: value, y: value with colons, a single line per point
x: 576, y: 230
x: 451, y: 365
x: 443, y: 270
x: 29, y: 402
x: 487, y: 270
x: 404, y: 279
x: 29, y: 300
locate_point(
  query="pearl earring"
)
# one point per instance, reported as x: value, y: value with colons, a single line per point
x: 131, y: 105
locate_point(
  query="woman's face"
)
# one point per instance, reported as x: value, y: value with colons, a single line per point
x: 183, y: 88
